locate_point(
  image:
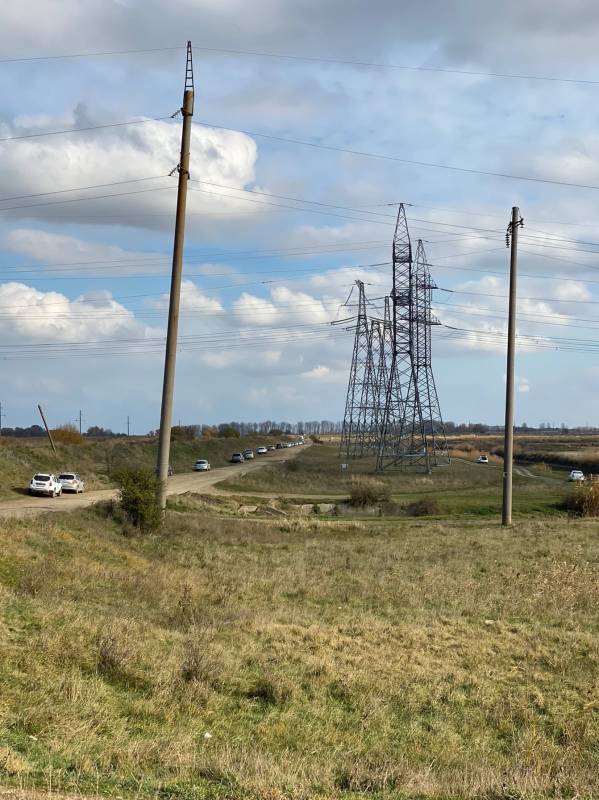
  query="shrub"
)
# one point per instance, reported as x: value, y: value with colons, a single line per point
x: 112, y: 654
x: 583, y: 501
x: 427, y: 506
x: 139, y: 498
x: 368, y: 492
x: 67, y: 434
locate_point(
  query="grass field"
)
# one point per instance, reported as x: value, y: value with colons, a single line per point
x: 98, y: 460
x: 229, y: 658
x: 464, y: 487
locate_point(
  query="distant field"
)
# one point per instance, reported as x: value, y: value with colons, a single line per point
x: 98, y: 460
x: 561, y: 450
x: 464, y: 487
x: 293, y: 658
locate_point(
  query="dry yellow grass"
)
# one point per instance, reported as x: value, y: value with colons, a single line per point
x: 268, y: 659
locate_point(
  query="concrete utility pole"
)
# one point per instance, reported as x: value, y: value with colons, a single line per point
x: 164, y: 442
x: 79, y: 421
x: 508, y: 445
x: 47, y: 428
x: 1, y: 415
x: 128, y: 424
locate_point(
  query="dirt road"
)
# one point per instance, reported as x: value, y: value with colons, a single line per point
x: 202, y: 482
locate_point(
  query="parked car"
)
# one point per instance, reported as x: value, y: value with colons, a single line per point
x: 201, y: 465
x: 280, y: 446
x: 482, y: 460
x: 271, y: 447
x: 45, y: 483
x: 71, y: 482
x: 237, y: 458
x: 261, y: 450
x: 576, y: 475
x: 248, y: 454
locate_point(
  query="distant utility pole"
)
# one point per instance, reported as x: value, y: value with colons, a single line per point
x: 166, y: 413
x: 1, y: 415
x: 508, y: 446
x: 128, y: 424
x: 80, y: 421
x: 47, y: 428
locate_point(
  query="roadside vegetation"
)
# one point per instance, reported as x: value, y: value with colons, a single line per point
x: 299, y: 658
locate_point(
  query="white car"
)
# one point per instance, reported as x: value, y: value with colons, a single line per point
x: 576, y: 475
x: 482, y: 460
x: 261, y: 450
x: 201, y: 465
x: 248, y: 454
x: 45, y: 483
x: 71, y: 482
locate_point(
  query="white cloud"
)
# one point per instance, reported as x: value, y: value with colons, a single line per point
x: 31, y: 315
x: 252, y: 310
x: 114, y: 155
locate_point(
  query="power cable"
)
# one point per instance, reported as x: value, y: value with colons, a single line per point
x: 311, y: 59
x: 413, y: 162
x: 85, y: 129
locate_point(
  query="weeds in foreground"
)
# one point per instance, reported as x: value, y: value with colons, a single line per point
x: 304, y: 658
x: 367, y: 492
x: 583, y: 501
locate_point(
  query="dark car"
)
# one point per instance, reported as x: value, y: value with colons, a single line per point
x: 237, y: 458
x: 280, y: 445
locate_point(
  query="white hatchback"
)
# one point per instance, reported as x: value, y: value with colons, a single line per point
x: 45, y: 483
x: 576, y: 475
x: 201, y: 465
x: 261, y: 450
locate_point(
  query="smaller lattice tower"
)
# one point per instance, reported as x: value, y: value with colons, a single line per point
x: 354, y: 420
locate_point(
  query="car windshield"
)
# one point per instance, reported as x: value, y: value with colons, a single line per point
x: 201, y: 461
x: 43, y: 478
x: 66, y: 476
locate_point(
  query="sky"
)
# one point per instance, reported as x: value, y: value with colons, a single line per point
x: 282, y: 219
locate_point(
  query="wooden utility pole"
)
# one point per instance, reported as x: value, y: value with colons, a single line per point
x: 164, y: 441
x: 508, y: 444
x: 47, y: 428
x: 80, y: 422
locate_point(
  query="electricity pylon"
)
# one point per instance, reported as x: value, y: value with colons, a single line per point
x: 353, y: 432
x: 403, y: 441
x: 427, y: 390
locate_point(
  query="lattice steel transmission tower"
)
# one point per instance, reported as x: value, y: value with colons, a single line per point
x: 403, y: 440
x: 353, y: 434
x: 427, y: 390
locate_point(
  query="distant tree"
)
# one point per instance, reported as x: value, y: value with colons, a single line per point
x: 228, y: 432
x: 96, y: 431
x: 184, y: 433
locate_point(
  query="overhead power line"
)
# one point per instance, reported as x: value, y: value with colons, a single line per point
x: 81, y: 188
x: 386, y: 157
x: 81, y: 130
x: 312, y: 59
x: 61, y: 56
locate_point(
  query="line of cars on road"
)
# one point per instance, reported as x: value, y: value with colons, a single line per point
x: 248, y: 455
x: 50, y: 485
